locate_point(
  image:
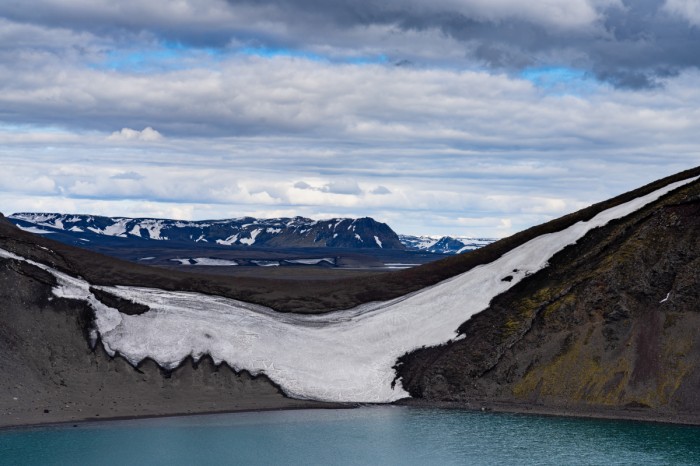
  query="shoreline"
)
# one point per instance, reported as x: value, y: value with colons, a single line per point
x: 611, y: 414
x: 89, y: 420
x: 578, y: 412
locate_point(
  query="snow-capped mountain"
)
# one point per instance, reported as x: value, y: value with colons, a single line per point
x: 444, y: 244
x: 247, y: 231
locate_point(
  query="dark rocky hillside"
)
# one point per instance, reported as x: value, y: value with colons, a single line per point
x: 612, y: 322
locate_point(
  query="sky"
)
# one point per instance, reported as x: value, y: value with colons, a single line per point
x: 463, y: 117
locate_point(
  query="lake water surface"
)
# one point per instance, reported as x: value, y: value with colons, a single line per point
x: 372, y: 435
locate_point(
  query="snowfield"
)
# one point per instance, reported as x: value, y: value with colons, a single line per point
x: 35, y: 230
x: 204, y: 261
x: 330, y: 260
x: 341, y: 356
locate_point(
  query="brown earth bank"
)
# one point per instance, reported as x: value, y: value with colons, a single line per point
x: 610, y: 325
x: 609, y: 328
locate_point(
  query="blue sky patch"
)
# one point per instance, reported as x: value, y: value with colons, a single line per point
x: 559, y: 80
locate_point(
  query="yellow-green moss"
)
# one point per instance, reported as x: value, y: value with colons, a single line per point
x: 566, y: 300
x: 510, y: 327
x: 578, y: 376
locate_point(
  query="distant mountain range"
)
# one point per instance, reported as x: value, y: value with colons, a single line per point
x: 246, y: 231
x: 444, y: 244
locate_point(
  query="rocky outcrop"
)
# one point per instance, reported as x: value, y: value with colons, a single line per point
x: 612, y: 322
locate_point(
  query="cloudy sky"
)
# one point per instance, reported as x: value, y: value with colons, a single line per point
x: 469, y: 117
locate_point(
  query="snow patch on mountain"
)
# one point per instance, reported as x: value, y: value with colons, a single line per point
x: 250, y: 241
x: 35, y: 230
x: 118, y: 228
x: 182, y: 261
x: 214, y: 262
x: 444, y: 244
x: 266, y: 263
x: 228, y: 241
x: 377, y: 240
x: 204, y: 261
x: 310, y: 261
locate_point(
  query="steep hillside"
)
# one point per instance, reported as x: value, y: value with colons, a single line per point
x: 612, y: 322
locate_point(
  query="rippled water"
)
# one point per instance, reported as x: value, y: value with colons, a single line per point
x: 373, y: 435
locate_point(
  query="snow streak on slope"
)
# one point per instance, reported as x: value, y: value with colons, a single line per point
x: 341, y: 356
x: 35, y: 230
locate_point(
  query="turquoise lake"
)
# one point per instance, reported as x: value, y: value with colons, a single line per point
x: 372, y: 435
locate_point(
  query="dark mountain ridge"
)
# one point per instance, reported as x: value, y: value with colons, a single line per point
x: 246, y: 231
x: 94, y: 232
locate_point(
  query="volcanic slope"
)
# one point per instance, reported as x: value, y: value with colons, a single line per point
x: 611, y: 324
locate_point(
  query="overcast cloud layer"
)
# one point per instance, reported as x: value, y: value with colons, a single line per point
x: 462, y: 117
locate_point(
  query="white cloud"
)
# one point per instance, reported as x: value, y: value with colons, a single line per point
x: 342, y: 186
x: 380, y: 190
x: 686, y: 9
x: 302, y: 185
x: 557, y: 13
x: 130, y: 175
x: 148, y: 134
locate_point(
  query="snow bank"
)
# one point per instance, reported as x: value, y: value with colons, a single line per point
x: 214, y: 262
x: 35, y: 230
x: 330, y: 260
